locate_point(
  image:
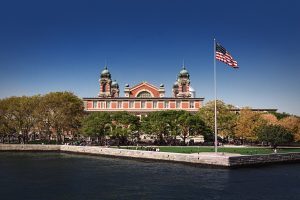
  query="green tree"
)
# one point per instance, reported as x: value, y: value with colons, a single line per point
x: 21, y: 113
x: 173, y: 124
x: 124, y: 125
x: 167, y: 125
x: 60, y: 112
x: 226, y: 120
x: 198, y: 127
x: 158, y: 124
x: 280, y: 116
x: 274, y: 135
x: 190, y: 125
x: 98, y: 125
x: 7, y: 126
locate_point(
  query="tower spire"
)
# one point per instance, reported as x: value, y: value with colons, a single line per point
x: 183, y: 65
x: 105, y: 67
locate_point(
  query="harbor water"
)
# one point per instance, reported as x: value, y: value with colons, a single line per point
x: 25, y: 175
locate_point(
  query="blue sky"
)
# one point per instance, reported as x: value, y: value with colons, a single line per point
x: 62, y: 46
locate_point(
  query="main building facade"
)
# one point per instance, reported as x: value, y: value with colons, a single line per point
x: 143, y: 97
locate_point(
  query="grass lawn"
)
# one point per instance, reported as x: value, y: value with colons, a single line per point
x: 239, y: 150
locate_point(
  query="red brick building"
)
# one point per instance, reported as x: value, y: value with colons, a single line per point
x: 144, y: 97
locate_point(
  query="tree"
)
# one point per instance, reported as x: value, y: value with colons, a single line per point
x: 61, y: 112
x: 269, y: 118
x: 7, y: 126
x: 157, y: 123
x: 124, y: 125
x: 274, y: 134
x: 56, y: 112
x: 190, y: 125
x: 97, y: 125
x: 247, y: 122
x: 292, y: 123
x: 20, y: 110
x: 171, y: 119
x: 198, y: 127
x: 167, y: 125
x: 226, y: 120
x: 280, y: 116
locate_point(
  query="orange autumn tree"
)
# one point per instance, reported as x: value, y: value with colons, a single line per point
x: 269, y: 118
x: 247, y: 122
x: 292, y: 123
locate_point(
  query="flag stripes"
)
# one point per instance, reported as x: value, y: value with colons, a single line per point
x: 224, y: 56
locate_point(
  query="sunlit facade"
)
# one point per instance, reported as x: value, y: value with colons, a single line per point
x: 144, y: 97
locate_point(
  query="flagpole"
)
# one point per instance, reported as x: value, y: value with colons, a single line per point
x: 215, y: 84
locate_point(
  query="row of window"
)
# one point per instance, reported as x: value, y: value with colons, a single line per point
x: 107, y: 104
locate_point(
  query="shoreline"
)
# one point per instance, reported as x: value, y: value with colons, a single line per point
x: 224, y: 160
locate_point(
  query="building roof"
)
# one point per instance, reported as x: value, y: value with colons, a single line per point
x: 143, y: 83
x: 137, y: 98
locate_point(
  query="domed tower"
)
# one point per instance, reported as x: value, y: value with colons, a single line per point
x: 183, y: 84
x: 115, y: 89
x: 175, y: 89
x: 105, y: 83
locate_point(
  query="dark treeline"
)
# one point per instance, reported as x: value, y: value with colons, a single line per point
x: 59, y: 117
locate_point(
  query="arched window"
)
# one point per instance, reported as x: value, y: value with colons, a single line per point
x: 144, y: 94
x: 184, y: 88
x: 104, y: 87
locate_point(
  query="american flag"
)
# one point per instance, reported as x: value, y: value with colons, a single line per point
x: 224, y: 56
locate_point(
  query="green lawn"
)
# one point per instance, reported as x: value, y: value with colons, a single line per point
x: 238, y: 150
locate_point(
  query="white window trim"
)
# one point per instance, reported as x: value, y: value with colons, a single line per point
x: 145, y: 102
x: 94, y: 104
x: 106, y: 102
x: 192, y: 104
x: 121, y: 104
x: 180, y: 104
x: 133, y: 103
x: 153, y: 104
x: 166, y: 104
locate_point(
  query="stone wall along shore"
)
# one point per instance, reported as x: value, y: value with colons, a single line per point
x: 219, y: 159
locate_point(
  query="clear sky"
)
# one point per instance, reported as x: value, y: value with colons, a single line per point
x: 62, y: 46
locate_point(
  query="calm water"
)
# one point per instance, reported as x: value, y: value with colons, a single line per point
x: 66, y: 176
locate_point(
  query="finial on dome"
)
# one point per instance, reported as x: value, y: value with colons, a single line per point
x: 183, y: 65
x: 105, y: 67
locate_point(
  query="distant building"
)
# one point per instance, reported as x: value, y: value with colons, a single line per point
x: 259, y: 110
x: 144, y: 97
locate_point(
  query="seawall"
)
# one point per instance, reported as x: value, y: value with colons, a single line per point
x: 220, y: 159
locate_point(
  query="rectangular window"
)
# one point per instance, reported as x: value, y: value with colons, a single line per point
x: 154, y: 104
x: 131, y: 104
x: 107, y: 104
x: 192, y: 104
x: 166, y: 104
x: 143, y: 104
x: 94, y: 104
x: 177, y: 104
x: 119, y: 104
x: 102, y: 104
